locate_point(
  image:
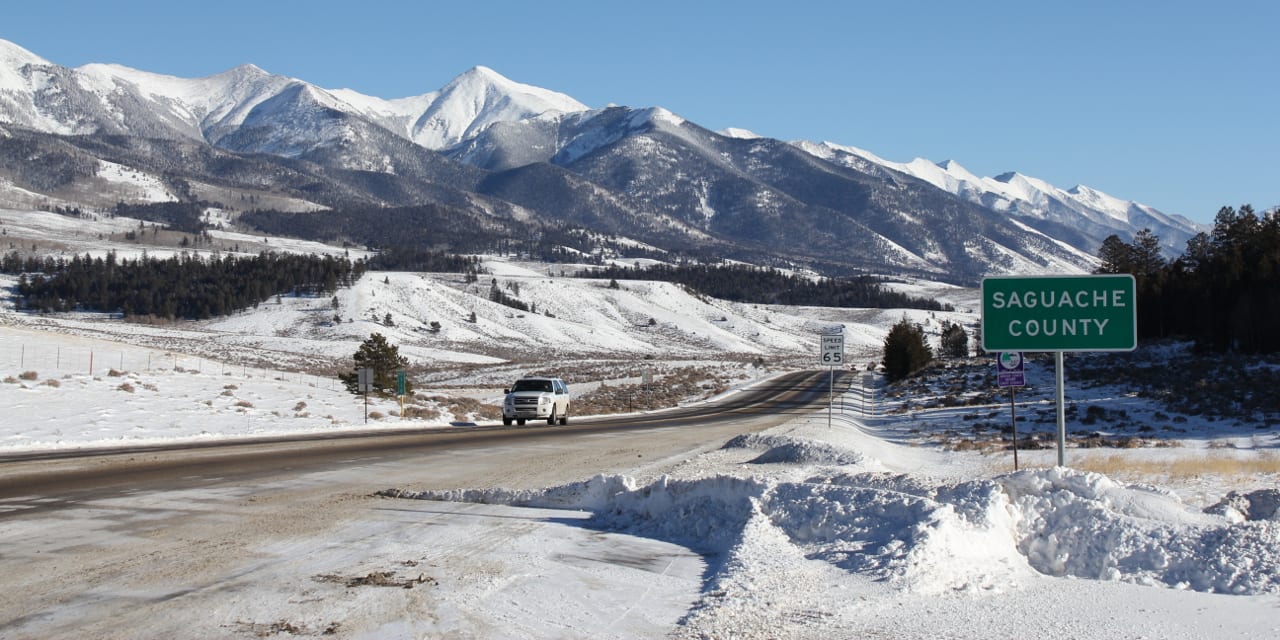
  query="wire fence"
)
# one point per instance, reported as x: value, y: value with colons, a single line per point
x: 50, y: 360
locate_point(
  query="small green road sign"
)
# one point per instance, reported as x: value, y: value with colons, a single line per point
x: 400, y: 383
x: 1059, y: 313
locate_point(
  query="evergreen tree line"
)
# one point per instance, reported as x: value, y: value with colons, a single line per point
x: 407, y: 258
x: 179, y: 287
x: 433, y: 226
x: 1223, y: 292
x: 497, y: 295
x: 742, y: 283
x: 442, y: 228
x: 187, y: 217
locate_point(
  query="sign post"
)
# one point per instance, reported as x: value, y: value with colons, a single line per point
x: 867, y: 380
x: 364, y: 381
x: 400, y: 390
x: 1060, y: 314
x: 1011, y: 372
x: 832, y: 355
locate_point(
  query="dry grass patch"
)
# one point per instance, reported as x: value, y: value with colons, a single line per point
x: 1209, y: 464
x: 668, y: 390
x: 421, y: 413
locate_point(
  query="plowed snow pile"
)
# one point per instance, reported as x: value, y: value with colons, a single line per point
x: 932, y: 536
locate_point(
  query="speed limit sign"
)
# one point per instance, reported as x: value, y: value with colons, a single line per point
x: 832, y: 353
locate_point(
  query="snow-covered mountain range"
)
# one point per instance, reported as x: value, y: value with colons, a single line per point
x: 490, y: 147
x: 112, y: 99
x: 1091, y: 212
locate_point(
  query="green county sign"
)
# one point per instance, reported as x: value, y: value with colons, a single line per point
x: 1059, y: 313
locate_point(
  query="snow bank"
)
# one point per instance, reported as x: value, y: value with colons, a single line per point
x: 1084, y: 525
x: 924, y: 536
x: 787, y: 449
x: 706, y: 514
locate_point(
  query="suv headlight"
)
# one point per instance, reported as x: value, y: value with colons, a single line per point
x: 543, y: 399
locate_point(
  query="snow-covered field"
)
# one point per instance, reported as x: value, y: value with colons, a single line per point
x: 858, y: 529
x: 877, y: 526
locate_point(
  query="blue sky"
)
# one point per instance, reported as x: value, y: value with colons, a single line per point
x: 1170, y: 103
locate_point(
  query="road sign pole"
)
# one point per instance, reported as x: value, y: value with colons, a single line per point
x: 831, y: 395
x: 1062, y: 408
x: 1013, y: 416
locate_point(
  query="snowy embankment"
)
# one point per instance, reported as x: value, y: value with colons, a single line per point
x: 807, y: 501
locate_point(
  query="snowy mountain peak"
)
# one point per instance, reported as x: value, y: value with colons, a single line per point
x: 656, y: 115
x: 14, y: 56
x: 481, y: 73
x: 741, y: 134
x: 244, y: 71
x: 12, y: 59
x: 479, y: 98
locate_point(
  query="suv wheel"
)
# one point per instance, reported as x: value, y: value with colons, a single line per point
x: 551, y: 419
x: 506, y: 421
x: 564, y: 419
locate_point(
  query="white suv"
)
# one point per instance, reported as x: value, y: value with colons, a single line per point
x: 535, y: 399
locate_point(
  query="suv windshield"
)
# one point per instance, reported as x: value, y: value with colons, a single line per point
x: 532, y: 385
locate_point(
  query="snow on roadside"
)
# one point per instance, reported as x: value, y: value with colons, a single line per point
x: 919, y: 534
x: 787, y: 449
x: 1085, y: 525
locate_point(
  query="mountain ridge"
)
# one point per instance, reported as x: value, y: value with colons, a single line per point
x: 643, y: 172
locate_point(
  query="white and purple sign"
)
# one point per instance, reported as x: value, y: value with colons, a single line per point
x: 1011, y: 369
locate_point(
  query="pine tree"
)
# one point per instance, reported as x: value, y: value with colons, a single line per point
x: 905, y: 350
x: 381, y: 356
x: 1116, y: 256
x: 955, y: 341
